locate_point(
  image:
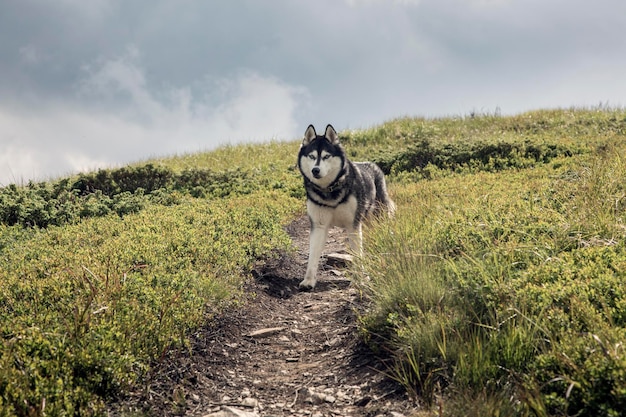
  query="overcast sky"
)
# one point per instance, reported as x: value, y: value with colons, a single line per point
x: 98, y: 83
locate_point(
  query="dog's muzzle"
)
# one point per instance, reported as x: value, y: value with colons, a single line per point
x: 316, y: 172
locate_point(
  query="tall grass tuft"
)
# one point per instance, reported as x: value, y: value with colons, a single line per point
x: 501, y: 293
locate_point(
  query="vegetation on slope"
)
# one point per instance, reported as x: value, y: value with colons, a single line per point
x: 104, y: 272
x: 499, y: 284
x: 503, y: 293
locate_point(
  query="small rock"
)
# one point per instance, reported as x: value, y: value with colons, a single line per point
x: 333, y: 342
x: 314, y: 399
x: 270, y: 331
x: 250, y: 402
x: 339, y: 259
x: 317, y: 398
x: 232, y: 412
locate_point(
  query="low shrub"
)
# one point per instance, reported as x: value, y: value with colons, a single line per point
x: 85, y: 308
x: 511, y: 283
x: 121, y: 191
x: 472, y: 156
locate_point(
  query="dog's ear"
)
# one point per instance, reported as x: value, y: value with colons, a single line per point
x: 309, y: 135
x: 331, y: 135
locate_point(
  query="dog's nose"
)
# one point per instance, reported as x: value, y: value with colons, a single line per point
x: 315, y: 171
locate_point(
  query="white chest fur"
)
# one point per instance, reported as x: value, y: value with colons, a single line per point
x: 341, y: 216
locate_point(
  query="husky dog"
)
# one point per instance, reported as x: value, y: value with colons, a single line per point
x: 339, y: 193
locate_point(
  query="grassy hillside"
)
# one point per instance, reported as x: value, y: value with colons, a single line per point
x: 501, y: 292
x: 103, y: 272
x: 499, y: 284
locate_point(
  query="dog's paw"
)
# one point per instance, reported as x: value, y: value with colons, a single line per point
x: 307, y: 285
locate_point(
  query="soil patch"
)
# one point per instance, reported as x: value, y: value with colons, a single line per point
x: 283, y: 353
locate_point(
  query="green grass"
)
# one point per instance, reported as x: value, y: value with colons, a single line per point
x: 503, y: 291
x: 496, y: 290
x: 85, y: 308
x: 104, y: 272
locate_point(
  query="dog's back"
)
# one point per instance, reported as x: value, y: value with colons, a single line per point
x: 372, y: 173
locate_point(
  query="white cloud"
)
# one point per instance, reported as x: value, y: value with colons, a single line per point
x: 122, y: 77
x: 17, y: 164
x: 72, y: 95
x: 131, y: 121
x: 259, y: 104
x: 246, y: 106
x: 31, y: 55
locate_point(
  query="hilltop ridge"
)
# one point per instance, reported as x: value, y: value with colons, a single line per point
x: 498, y: 287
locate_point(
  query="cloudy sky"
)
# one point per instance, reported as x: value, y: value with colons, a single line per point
x: 98, y: 83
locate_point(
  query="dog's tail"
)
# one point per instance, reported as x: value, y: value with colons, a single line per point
x: 386, y: 202
x: 391, y: 208
x: 382, y: 196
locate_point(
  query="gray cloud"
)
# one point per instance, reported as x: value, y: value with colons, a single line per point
x: 105, y: 82
x: 147, y: 122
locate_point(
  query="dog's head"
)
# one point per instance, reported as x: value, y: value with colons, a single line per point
x: 321, y: 158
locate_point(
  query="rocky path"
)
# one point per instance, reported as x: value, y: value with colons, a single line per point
x: 284, y: 353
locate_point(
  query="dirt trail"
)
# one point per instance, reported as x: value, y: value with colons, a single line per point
x: 284, y: 353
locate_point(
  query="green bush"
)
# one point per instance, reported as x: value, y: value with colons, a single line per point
x: 473, y: 156
x: 127, y: 179
x: 122, y: 191
x: 85, y: 308
x: 507, y: 287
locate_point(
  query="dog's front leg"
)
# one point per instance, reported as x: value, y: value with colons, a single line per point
x: 319, y: 233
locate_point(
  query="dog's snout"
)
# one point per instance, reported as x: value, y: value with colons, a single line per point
x: 315, y: 171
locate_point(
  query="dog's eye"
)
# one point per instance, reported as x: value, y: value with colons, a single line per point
x: 311, y: 156
x: 325, y: 157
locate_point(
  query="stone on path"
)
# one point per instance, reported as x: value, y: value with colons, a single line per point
x: 339, y: 259
x: 267, y: 332
x: 232, y: 412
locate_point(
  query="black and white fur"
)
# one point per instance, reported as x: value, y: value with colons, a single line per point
x: 339, y: 193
